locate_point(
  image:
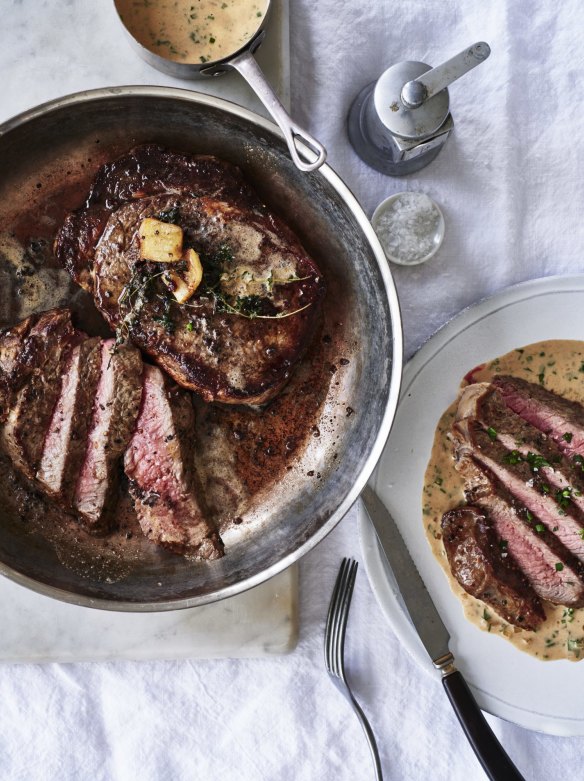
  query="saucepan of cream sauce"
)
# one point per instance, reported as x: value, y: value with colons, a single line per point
x: 195, y: 39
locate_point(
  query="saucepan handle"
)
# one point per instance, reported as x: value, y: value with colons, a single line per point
x: 489, y: 751
x: 246, y: 65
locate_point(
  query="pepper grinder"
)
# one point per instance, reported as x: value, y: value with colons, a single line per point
x: 399, y: 123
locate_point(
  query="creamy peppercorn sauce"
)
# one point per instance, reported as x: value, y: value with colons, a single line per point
x: 193, y: 32
x: 559, y: 366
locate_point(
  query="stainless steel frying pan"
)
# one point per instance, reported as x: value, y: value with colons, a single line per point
x: 48, y: 156
x: 307, y: 155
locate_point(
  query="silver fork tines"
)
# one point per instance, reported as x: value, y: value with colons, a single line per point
x: 334, y: 648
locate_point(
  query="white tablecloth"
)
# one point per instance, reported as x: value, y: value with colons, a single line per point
x: 510, y: 184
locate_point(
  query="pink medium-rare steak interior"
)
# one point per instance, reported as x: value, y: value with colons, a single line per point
x: 66, y: 439
x: 113, y: 418
x: 159, y: 463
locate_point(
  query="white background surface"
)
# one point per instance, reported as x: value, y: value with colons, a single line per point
x: 510, y: 184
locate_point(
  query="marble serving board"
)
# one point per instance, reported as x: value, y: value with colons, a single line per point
x: 35, y: 628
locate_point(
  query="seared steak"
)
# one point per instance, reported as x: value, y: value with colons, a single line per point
x: 249, y: 322
x: 144, y: 171
x: 46, y: 350
x: 561, y: 419
x: 114, y: 415
x: 159, y: 463
x: 66, y: 440
x: 484, y: 571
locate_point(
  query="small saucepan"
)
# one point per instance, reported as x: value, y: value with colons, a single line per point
x: 195, y: 39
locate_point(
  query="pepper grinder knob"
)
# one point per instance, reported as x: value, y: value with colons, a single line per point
x: 399, y: 123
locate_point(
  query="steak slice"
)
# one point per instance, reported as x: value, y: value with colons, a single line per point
x: 554, y: 511
x: 478, y: 564
x: 113, y: 418
x: 66, y: 440
x: 159, y: 463
x: 561, y: 419
x: 553, y: 572
x: 40, y: 370
x: 523, y: 441
x: 144, y: 171
x: 249, y: 322
x: 27, y: 346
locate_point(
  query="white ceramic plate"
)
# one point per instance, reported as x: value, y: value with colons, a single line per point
x: 508, y: 683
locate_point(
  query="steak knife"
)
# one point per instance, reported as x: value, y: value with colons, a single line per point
x: 435, y: 639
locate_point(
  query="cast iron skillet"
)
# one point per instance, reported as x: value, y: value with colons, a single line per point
x: 47, y: 158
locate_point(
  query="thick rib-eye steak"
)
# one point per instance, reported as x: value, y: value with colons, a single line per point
x: 249, y: 322
x: 159, y: 463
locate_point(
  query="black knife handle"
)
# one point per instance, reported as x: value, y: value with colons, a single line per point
x: 489, y: 751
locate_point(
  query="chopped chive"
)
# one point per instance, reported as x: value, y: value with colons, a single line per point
x: 559, y: 566
x: 492, y: 433
x: 539, y: 527
x: 567, y: 436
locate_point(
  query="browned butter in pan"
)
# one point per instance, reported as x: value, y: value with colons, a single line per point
x: 192, y: 31
x: 559, y: 366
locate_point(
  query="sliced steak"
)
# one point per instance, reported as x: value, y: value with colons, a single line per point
x: 159, y: 463
x: 523, y: 441
x: 553, y: 510
x: 46, y: 351
x: 554, y: 573
x: 114, y: 415
x: 237, y: 339
x: 66, y: 440
x: 561, y: 419
x: 478, y: 564
x: 26, y: 347
x: 144, y: 171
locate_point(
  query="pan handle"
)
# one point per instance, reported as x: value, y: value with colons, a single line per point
x: 246, y: 65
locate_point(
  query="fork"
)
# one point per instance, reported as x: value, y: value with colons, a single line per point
x: 334, y: 648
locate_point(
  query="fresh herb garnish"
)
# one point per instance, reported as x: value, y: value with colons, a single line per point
x: 559, y: 566
x: 567, y: 437
x: 513, y: 457
x: 492, y: 433
x: 539, y: 527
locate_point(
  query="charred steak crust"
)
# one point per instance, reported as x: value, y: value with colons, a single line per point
x: 477, y: 563
x: 26, y: 347
x: 159, y: 464
x: 49, y: 343
x: 144, y: 171
x: 249, y: 322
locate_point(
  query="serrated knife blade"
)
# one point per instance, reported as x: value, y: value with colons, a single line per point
x: 435, y: 638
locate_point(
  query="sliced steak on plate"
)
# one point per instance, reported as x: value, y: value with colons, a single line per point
x: 478, y: 564
x: 556, y: 512
x: 66, y: 440
x: 159, y: 463
x: 561, y: 419
x: 114, y: 415
x: 554, y: 573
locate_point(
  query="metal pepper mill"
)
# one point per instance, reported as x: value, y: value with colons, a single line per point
x: 399, y: 123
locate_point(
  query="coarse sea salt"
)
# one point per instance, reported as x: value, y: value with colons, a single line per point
x: 410, y: 227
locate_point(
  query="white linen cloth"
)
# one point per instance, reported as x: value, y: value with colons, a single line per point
x: 511, y: 187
